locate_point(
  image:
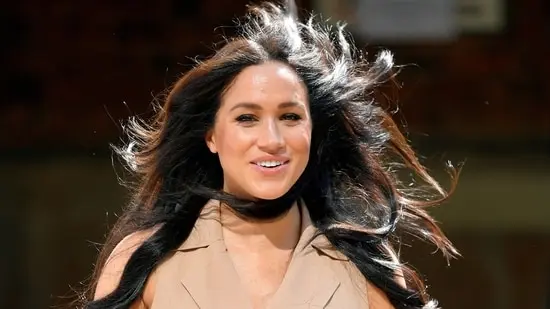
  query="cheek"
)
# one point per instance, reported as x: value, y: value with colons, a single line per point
x: 300, y: 140
x: 232, y: 142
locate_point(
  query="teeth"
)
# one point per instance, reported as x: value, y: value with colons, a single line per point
x: 269, y: 163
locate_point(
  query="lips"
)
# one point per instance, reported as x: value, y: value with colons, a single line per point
x: 272, y: 163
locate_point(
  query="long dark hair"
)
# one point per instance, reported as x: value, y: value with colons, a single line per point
x: 350, y: 185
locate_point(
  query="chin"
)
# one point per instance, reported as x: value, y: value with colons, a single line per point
x: 269, y: 193
x: 268, y: 196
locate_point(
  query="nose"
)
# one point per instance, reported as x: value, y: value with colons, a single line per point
x: 270, y: 139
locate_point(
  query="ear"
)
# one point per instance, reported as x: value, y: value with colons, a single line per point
x: 211, y: 142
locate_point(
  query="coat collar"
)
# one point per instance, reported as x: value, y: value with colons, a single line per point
x: 208, y: 230
x: 208, y: 275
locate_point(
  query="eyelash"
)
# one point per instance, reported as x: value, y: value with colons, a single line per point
x: 246, y: 118
x: 291, y: 117
x: 287, y: 117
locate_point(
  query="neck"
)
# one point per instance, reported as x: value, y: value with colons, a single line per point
x: 280, y: 233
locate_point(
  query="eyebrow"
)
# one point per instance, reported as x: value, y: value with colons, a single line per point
x: 259, y: 107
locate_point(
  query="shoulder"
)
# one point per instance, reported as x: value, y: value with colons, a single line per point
x: 114, y: 266
x: 366, y: 289
x: 377, y: 298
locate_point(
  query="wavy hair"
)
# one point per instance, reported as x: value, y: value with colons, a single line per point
x: 350, y: 184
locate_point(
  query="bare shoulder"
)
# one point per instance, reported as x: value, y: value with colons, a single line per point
x: 114, y: 267
x: 377, y: 298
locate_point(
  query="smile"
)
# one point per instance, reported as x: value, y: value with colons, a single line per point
x: 270, y: 164
x: 271, y: 167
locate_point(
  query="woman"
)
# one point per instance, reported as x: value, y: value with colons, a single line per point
x: 266, y: 181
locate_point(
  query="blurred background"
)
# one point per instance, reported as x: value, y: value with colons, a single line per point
x: 475, y: 89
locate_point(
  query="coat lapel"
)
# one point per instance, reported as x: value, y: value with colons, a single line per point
x: 205, y: 269
x: 310, y: 281
x: 207, y: 273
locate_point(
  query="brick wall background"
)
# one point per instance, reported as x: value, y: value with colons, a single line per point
x: 71, y: 72
x: 70, y: 66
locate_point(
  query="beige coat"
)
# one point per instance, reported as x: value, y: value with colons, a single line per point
x: 201, y: 274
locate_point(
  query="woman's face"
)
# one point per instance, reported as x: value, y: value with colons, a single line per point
x: 262, y: 132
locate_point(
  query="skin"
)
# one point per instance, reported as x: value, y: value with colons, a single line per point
x: 264, y: 113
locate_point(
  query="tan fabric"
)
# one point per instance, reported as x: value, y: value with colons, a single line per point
x: 201, y: 274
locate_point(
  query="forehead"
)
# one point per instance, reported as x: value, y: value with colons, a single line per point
x: 267, y: 82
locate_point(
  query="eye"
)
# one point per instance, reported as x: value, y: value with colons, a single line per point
x: 291, y: 117
x: 245, y: 118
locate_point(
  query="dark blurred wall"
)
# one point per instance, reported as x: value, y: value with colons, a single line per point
x: 71, y: 72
